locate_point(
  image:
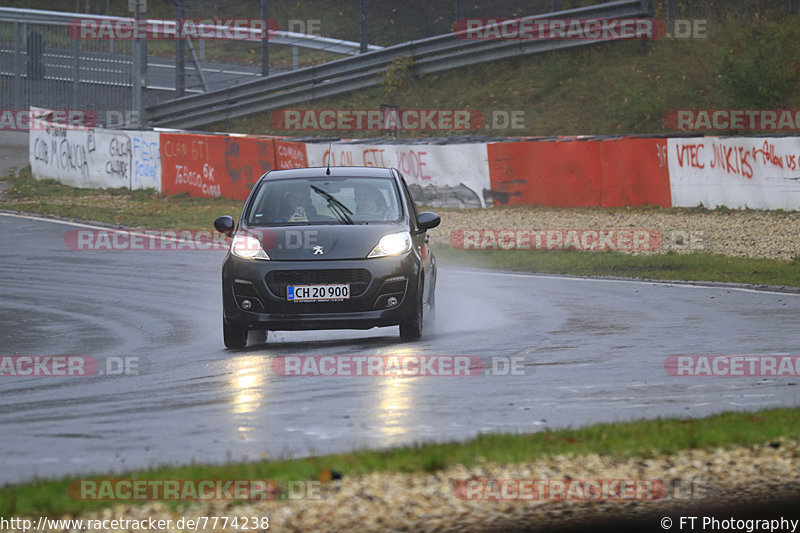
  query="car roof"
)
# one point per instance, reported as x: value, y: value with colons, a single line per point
x: 321, y: 172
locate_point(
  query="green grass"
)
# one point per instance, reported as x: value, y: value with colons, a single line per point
x: 697, y: 266
x: 645, y: 439
x: 613, y: 88
x: 136, y: 209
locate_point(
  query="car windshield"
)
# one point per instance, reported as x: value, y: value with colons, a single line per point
x: 325, y: 201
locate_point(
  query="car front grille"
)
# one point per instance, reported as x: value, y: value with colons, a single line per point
x: 358, y: 278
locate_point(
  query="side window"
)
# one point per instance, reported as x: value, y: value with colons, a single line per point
x: 408, y: 193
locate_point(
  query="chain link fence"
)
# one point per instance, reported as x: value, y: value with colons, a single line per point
x: 42, y: 66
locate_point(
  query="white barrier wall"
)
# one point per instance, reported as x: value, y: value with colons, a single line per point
x: 145, y: 160
x: 95, y: 158
x: 759, y: 173
x: 439, y: 167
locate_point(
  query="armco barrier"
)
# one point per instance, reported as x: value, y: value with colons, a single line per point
x: 580, y: 173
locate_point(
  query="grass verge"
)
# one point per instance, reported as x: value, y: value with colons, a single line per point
x: 646, y: 439
x: 698, y: 266
x: 135, y: 209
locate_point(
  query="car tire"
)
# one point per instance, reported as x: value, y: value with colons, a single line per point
x: 234, y: 335
x: 430, y: 315
x: 411, y: 329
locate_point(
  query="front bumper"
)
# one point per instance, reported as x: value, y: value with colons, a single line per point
x: 373, y: 282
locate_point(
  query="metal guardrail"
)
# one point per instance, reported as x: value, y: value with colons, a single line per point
x: 429, y: 55
x: 44, y: 62
x: 58, y: 18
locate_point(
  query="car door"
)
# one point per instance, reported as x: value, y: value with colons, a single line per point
x: 419, y: 239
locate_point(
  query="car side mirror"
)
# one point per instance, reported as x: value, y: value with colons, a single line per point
x: 428, y: 220
x: 225, y: 224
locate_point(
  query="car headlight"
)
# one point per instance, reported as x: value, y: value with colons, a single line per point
x: 392, y: 244
x: 247, y: 247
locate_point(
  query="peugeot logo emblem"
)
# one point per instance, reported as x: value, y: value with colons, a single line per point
x: 318, y: 250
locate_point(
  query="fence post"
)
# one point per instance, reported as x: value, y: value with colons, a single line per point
x: 793, y: 7
x: 670, y: 12
x: 17, y: 67
x: 35, y: 50
x: 136, y: 69
x: 364, y: 39
x: 76, y: 72
x: 265, y: 39
x: 180, y: 52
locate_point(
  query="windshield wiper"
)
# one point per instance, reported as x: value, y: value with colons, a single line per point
x: 337, y: 208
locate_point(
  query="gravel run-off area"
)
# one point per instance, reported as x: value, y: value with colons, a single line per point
x: 442, y: 501
x: 748, y: 233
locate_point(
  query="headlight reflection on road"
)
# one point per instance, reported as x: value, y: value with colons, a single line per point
x: 396, y: 397
x: 247, y: 384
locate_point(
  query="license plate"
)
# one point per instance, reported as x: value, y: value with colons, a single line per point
x: 317, y: 293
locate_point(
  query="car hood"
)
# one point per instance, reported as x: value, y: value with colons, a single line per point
x: 300, y: 243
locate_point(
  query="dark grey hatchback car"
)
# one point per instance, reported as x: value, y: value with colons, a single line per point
x: 337, y: 248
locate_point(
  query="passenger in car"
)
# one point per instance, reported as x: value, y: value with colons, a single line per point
x: 370, y: 204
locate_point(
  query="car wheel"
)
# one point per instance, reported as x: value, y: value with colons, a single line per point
x: 430, y: 314
x: 234, y: 334
x: 411, y: 328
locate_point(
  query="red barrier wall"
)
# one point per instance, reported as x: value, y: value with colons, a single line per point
x: 576, y: 173
x: 634, y: 172
x: 289, y: 154
x: 567, y: 172
x: 213, y: 165
x: 557, y: 174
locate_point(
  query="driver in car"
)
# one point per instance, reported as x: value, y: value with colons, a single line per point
x: 296, y: 206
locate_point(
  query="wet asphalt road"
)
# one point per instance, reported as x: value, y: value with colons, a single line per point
x: 593, y: 350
